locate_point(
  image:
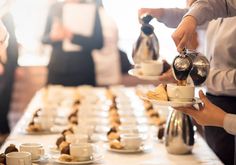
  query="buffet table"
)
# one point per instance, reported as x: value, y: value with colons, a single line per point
x: 157, y: 155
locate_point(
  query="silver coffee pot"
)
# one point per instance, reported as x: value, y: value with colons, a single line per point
x: 179, y: 133
x: 193, y: 64
x: 146, y: 47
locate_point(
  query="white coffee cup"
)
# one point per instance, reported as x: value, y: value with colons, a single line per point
x: 180, y: 93
x: 46, y: 122
x: 152, y: 68
x: 77, y: 138
x: 36, y: 150
x: 18, y: 158
x: 81, y: 151
x: 131, y: 141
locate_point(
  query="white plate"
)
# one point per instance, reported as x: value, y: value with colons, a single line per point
x: 136, y: 73
x: 54, y: 150
x: 174, y: 104
x: 96, y: 157
x: 42, y: 159
x: 53, y: 130
x: 141, y: 149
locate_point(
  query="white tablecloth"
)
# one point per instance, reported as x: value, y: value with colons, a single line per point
x: 158, y: 155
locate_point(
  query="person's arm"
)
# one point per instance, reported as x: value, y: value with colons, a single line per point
x: 211, y: 115
x: 200, y: 12
x: 221, y: 80
x: 206, y: 10
x: 230, y: 123
x: 171, y: 17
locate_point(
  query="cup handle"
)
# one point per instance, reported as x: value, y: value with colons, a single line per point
x: 41, y: 151
x: 21, y: 162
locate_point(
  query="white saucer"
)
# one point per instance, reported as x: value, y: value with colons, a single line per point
x: 143, y: 148
x: 174, y: 104
x: 43, y: 158
x: 54, y: 149
x: 137, y: 73
x: 96, y: 157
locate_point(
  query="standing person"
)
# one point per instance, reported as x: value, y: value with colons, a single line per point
x: 10, y: 66
x: 221, y: 82
x: 76, y: 67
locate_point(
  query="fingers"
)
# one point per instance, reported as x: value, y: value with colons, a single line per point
x: 166, y: 66
x: 188, y: 111
x: 167, y: 77
x: 202, y: 96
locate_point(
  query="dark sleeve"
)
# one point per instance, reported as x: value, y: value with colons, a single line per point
x: 93, y: 42
x: 54, y: 9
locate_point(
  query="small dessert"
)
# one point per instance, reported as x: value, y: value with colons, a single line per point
x: 37, y: 112
x: 60, y: 140
x: 160, y: 133
x: 73, y: 119
x: 158, y: 121
x: 2, y: 158
x: 67, y: 132
x: 66, y: 150
x: 11, y: 148
x: 66, y: 158
x: 150, y: 112
x: 158, y: 94
x: 33, y: 127
x: 116, y: 144
x: 63, y: 145
x: 113, y: 134
x: 147, y: 105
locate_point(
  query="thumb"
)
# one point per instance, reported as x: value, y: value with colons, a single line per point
x: 203, y: 98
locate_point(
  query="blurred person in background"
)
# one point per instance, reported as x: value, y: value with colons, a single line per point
x: 9, y: 67
x: 221, y: 82
x: 110, y: 56
x: 76, y: 66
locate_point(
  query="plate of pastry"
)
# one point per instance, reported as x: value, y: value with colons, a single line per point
x: 116, y: 146
x: 138, y: 73
x: 68, y: 159
x: 159, y: 96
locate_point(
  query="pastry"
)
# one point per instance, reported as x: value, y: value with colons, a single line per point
x: 158, y: 94
x: 160, y: 132
x: 2, y: 158
x: 67, y: 132
x: 65, y: 158
x: 116, y: 144
x: 63, y: 144
x: 113, y: 136
x: 60, y: 140
x: 73, y: 119
x: 11, y: 148
x: 33, y: 127
x: 66, y: 150
x: 147, y: 105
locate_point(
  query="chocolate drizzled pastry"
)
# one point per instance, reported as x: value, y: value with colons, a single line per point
x: 65, y: 150
x: 11, y: 148
x: 60, y: 140
x: 113, y: 129
x: 160, y: 133
x: 2, y: 158
x: 67, y: 132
